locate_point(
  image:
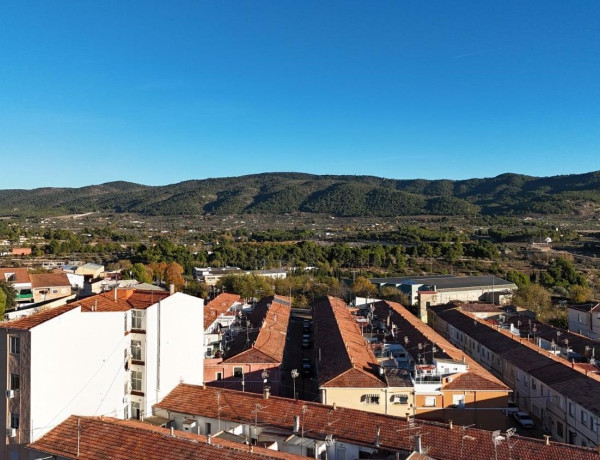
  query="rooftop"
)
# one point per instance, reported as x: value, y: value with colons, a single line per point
x: 266, y: 343
x: 586, y: 307
x: 360, y: 427
x: 41, y: 280
x: 218, y: 306
x: 87, y: 438
x: 443, y: 282
x: 346, y: 358
x: 19, y: 275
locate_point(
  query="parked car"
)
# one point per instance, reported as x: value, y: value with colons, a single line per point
x: 511, y: 408
x: 306, y: 366
x: 305, y: 342
x: 523, y: 419
x: 306, y: 325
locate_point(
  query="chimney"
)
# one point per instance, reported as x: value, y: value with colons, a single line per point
x: 266, y: 392
x: 334, y: 406
x: 208, y: 439
x: 450, y: 424
x: 418, y: 448
x: 547, y: 438
x: 171, y: 289
x: 377, y: 436
x: 296, y: 424
x: 115, y: 293
x: 172, y: 431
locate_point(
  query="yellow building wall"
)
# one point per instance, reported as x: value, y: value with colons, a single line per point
x: 352, y: 398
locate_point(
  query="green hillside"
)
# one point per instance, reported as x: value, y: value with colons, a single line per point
x: 279, y: 193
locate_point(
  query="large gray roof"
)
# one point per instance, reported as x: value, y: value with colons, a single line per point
x: 442, y: 282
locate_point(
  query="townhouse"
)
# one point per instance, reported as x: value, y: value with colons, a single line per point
x: 254, y: 349
x: 407, y: 369
x: 112, y: 354
x: 219, y: 314
x: 104, y: 437
x: 584, y: 318
x: 49, y: 286
x: 338, y: 433
x: 559, y: 394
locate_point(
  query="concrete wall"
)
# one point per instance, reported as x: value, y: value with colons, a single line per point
x: 353, y: 398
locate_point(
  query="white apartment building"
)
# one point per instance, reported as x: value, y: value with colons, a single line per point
x: 114, y: 354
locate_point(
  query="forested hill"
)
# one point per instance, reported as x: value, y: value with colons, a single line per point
x: 278, y: 193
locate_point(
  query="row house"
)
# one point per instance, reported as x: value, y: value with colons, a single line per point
x: 113, y: 354
x: 338, y: 433
x: 253, y: 351
x: 49, y: 286
x: 407, y: 369
x: 219, y: 315
x: 105, y: 437
x: 559, y: 395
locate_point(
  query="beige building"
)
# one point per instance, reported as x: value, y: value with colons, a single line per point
x: 48, y: 286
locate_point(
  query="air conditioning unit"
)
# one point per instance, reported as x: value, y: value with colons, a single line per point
x: 11, y: 432
x: 10, y: 393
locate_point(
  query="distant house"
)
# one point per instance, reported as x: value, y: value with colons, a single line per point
x: 19, y: 279
x: 93, y: 270
x: 47, y: 286
x: 20, y: 252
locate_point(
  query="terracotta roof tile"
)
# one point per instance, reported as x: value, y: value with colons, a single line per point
x: 360, y: 427
x: 21, y: 274
x: 218, y: 306
x: 102, y: 438
x: 31, y: 321
x: 41, y: 280
x: 480, y: 378
x: 269, y: 340
x: 343, y: 348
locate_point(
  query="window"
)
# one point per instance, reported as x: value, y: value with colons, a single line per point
x: 14, y: 381
x: 400, y: 399
x: 14, y: 420
x: 125, y: 321
x: 238, y: 372
x: 136, y: 410
x: 208, y: 428
x: 136, y: 350
x: 136, y: 319
x: 370, y: 399
x: 584, y: 418
x: 136, y: 380
x: 579, y: 317
x: 458, y: 400
x: 560, y: 429
x: 430, y: 401
x: 54, y: 291
x: 218, y: 376
x: 593, y: 424
x: 15, y: 345
x: 571, y: 409
x: 533, y: 385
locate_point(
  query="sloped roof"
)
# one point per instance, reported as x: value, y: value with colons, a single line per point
x: 102, y: 438
x: 21, y: 275
x: 218, y: 306
x: 126, y: 300
x: 42, y: 280
x: 346, y: 359
x: 477, y: 376
x: 360, y: 427
x: 268, y: 342
x: 586, y: 307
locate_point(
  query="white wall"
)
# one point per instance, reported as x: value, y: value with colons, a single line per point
x: 181, y: 346
x: 77, y: 367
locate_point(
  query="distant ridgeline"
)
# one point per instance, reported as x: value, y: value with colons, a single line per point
x: 344, y: 196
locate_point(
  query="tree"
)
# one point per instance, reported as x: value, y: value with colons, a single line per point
x: 2, y: 302
x: 580, y: 294
x: 141, y: 273
x: 197, y: 289
x: 519, y: 278
x: 394, y: 294
x: 533, y: 297
x: 158, y: 270
x: 10, y: 295
x: 362, y: 287
x: 174, y: 275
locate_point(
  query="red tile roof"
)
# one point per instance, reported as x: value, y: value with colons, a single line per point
x: 21, y: 274
x: 126, y: 300
x: 218, y: 306
x: 478, y: 378
x: 102, y: 438
x: 270, y: 342
x: 360, y: 427
x: 346, y: 359
x: 42, y: 280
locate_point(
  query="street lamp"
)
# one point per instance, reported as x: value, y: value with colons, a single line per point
x: 295, y: 375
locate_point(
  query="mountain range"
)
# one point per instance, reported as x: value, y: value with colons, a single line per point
x: 280, y: 193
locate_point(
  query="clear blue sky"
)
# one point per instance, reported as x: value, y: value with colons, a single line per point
x: 157, y: 92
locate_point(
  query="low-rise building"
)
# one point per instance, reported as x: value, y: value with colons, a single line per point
x: 558, y: 394
x: 19, y: 279
x: 253, y: 351
x: 48, y: 286
x: 219, y: 314
x: 105, y: 437
x: 333, y: 432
